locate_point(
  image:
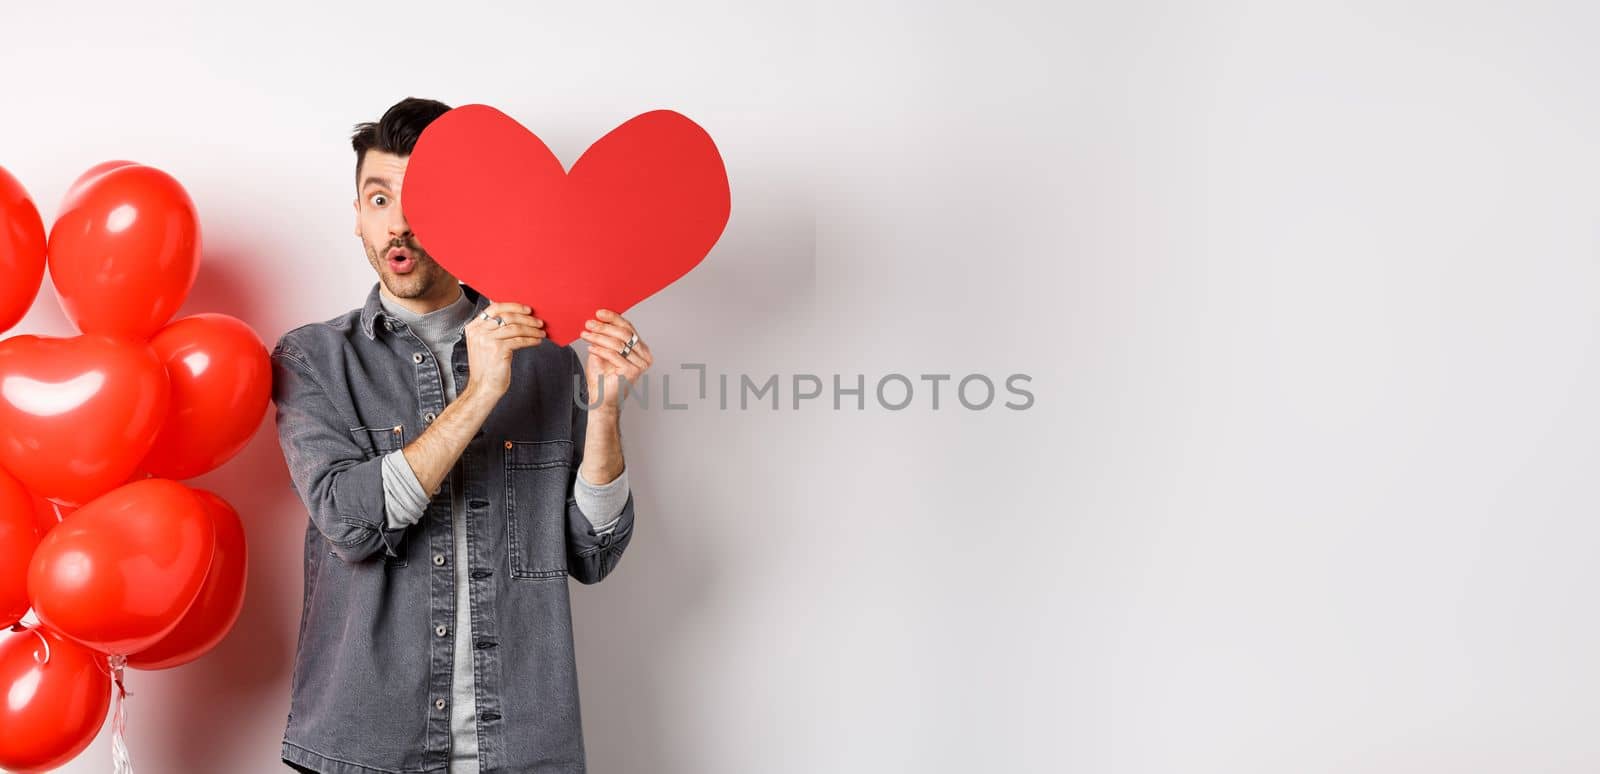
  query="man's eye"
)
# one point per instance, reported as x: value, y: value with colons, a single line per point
x: 378, y: 200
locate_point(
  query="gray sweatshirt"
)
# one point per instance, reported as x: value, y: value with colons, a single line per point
x: 405, y: 502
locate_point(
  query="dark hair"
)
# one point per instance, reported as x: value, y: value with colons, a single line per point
x: 397, y: 131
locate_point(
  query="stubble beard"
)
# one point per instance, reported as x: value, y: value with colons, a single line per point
x: 413, y: 285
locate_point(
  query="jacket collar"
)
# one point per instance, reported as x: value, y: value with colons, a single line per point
x: 373, y: 309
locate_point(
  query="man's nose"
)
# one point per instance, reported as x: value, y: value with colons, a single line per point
x: 399, y: 227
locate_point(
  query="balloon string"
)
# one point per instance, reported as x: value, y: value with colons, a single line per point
x: 23, y: 627
x: 121, y: 761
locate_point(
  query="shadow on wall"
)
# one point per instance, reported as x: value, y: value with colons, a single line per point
x: 207, y: 715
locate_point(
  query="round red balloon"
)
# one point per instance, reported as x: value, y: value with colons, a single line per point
x: 119, y: 573
x: 78, y: 414
x: 18, y: 537
x: 124, y: 252
x: 82, y: 183
x: 221, y: 380
x: 22, y: 243
x: 217, y: 605
x: 54, y: 706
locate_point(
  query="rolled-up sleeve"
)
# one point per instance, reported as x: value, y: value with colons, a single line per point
x: 341, y: 488
x: 601, y: 502
x: 591, y: 553
x: 404, y: 502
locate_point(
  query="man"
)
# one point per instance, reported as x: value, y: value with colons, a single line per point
x: 455, y: 475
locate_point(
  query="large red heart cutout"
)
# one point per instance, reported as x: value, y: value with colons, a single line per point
x: 494, y: 206
x: 77, y: 414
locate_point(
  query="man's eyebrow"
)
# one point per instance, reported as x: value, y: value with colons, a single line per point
x: 383, y: 181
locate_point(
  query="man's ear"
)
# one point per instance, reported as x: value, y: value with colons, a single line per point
x: 355, y: 203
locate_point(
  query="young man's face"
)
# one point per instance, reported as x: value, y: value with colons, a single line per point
x: 404, y: 267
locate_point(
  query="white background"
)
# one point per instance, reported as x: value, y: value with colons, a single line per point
x: 1306, y: 292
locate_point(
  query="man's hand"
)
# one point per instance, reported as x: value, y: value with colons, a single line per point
x: 611, y: 360
x: 490, y: 346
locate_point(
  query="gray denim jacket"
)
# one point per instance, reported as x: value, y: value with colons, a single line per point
x: 372, y: 674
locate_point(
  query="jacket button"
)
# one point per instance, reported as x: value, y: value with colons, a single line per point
x: 438, y: 704
x: 416, y: 358
x: 440, y: 630
x: 438, y: 559
x: 429, y: 417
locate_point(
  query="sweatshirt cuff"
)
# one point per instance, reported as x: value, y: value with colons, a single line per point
x: 403, y: 499
x: 602, y: 504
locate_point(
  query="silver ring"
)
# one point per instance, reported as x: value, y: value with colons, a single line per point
x: 497, y: 321
x: 628, y: 347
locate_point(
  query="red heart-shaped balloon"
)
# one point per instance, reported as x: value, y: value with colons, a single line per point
x: 217, y: 605
x: 77, y: 414
x: 494, y: 206
x: 119, y: 574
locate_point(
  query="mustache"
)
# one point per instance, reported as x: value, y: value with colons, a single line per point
x: 411, y: 245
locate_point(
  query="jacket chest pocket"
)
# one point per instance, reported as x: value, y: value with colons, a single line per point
x: 538, y: 474
x: 375, y: 442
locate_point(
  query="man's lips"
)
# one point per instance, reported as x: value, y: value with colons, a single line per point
x: 402, y: 261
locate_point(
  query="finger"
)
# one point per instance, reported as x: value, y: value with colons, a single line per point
x: 618, y: 331
x: 602, y: 340
x: 520, y: 317
x: 627, y: 368
x: 643, y: 351
x: 513, y: 330
x: 612, y: 318
x: 504, y: 307
x: 614, y: 344
x: 521, y: 322
x: 639, y: 349
x: 637, y: 359
x: 606, y: 315
x: 510, y: 317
